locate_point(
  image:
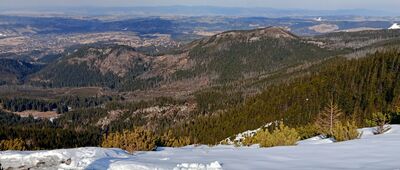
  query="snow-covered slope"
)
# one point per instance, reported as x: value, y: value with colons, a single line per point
x: 395, y: 26
x: 369, y: 152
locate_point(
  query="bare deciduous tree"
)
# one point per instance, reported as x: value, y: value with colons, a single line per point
x: 328, y: 117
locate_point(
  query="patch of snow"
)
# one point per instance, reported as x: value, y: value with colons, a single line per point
x: 395, y: 26
x: 252, y: 39
x: 80, y: 158
x: 20, y: 63
x: 254, y: 25
x: 52, y: 119
x: 319, y: 19
x: 198, y: 166
x: 324, y: 28
x: 238, y: 138
x: 316, y: 140
x: 370, y: 152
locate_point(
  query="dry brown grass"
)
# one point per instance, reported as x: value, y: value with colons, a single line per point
x: 37, y: 114
x: 27, y: 91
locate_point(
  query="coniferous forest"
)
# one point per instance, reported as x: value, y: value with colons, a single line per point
x: 360, y: 87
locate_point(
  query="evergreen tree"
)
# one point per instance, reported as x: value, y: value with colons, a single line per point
x: 168, y: 139
x: 12, y: 144
x: 137, y: 140
x: 380, y: 120
x: 280, y: 136
x: 346, y: 131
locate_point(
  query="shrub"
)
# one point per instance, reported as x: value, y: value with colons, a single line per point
x: 137, y: 140
x: 250, y: 140
x: 380, y: 120
x: 171, y: 141
x: 12, y: 144
x: 280, y: 136
x: 346, y: 131
x: 395, y: 116
x: 308, y: 131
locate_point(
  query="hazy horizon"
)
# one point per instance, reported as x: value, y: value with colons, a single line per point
x: 383, y: 5
x: 265, y: 8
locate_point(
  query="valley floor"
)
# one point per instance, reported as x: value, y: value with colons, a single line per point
x: 369, y: 152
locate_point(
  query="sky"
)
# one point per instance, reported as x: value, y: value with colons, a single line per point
x: 385, y: 5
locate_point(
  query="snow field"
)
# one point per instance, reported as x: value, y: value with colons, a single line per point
x: 370, y: 152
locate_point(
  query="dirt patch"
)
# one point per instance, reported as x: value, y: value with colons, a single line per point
x: 13, y: 41
x: 178, y: 89
x: 112, y: 115
x: 120, y: 62
x: 85, y: 91
x: 168, y: 64
x: 324, y: 28
x: 360, y: 29
x: 206, y: 33
x: 37, y: 114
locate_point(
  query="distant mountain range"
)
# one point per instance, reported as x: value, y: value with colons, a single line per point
x: 204, y: 11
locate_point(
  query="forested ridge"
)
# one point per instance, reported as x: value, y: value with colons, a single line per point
x: 15, y: 71
x: 93, y: 65
x: 359, y: 87
x: 236, y: 55
x: 223, y: 58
